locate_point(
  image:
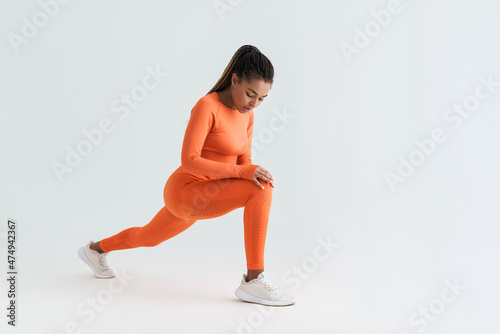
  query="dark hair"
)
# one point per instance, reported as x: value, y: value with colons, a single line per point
x: 248, y: 63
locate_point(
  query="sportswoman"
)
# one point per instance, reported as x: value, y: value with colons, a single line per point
x: 216, y: 176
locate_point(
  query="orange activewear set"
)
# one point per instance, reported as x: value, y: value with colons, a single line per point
x: 215, y: 177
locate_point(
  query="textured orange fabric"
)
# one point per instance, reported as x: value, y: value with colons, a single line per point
x: 215, y: 177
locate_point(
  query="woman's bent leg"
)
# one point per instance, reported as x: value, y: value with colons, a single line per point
x: 213, y: 198
x: 256, y: 217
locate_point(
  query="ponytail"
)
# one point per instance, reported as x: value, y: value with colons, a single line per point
x: 248, y: 63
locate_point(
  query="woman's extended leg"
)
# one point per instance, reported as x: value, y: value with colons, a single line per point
x: 162, y: 227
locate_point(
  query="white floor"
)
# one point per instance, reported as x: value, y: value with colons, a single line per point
x: 364, y: 282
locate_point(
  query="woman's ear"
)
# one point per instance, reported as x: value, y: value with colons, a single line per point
x: 234, y: 79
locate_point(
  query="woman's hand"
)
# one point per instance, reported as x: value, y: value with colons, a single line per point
x: 261, y: 173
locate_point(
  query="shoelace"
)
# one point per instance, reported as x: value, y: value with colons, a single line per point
x: 268, y: 283
x: 102, y: 260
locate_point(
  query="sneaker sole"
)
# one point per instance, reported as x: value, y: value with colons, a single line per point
x: 252, y: 299
x: 85, y: 259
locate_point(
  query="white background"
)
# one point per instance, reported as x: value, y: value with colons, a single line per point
x: 352, y: 118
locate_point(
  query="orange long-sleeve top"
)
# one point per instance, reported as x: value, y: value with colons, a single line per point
x: 218, y: 141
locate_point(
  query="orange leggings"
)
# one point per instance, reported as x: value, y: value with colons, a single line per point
x: 188, y: 199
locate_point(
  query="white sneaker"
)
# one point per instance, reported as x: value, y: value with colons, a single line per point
x: 96, y: 261
x: 262, y: 291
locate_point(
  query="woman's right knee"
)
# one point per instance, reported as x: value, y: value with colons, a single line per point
x: 267, y: 185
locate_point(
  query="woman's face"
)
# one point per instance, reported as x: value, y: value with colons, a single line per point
x: 248, y: 95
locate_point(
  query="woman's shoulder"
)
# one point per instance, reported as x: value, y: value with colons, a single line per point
x: 207, y: 105
x: 208, y: 101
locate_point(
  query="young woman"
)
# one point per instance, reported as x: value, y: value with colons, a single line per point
x: 216, y: 176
